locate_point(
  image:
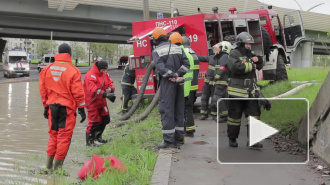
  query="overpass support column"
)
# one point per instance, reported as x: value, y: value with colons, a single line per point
x: 145, y: 10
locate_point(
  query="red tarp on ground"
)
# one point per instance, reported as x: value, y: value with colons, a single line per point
x: 96, y: 166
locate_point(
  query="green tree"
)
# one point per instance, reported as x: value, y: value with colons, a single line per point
x: 44, y: 46
x: 78, y: 52
x: 104, y: 50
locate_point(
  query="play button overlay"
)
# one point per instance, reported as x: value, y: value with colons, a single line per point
x: 259, y: 131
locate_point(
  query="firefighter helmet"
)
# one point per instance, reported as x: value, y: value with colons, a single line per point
x: 245, y: 38
x: 225, y: 46
x: 158, y: 32
x: 176, y: 38
x: 185, y: 42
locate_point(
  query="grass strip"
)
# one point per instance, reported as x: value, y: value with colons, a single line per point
x: 285, y: 115
x: 307, y: 74
x: 133, y: 144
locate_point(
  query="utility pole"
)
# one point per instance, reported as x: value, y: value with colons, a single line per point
x: 146, y: 10
x: 245, y: 5
x: 172, y: 7
x: 51, y: 42
x: 89, y: 55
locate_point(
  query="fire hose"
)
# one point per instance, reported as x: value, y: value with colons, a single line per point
x: 141, y: 116
x: 126, y: 116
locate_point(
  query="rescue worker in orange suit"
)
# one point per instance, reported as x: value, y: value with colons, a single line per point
x: 208, y: 88
x: 220, y: 81
x: 242, y: 84
x: 171, y: 64
x: 62, y: 93
x: 127, y: 86
x: 98, y: 86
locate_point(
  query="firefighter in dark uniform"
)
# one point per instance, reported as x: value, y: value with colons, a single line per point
x: 190, y: 127
x: 127, y: 86
x: 171, y: 64
x: 208, y: 87
x: 220, y: 81
x: 242, y: 84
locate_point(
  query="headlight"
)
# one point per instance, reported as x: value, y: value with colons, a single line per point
x: 27, y: 68
x: 11, y: 68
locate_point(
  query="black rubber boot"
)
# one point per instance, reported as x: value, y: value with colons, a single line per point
x: 257, y: 146
x: 100, y: 140
x: 90, y: 140
x: 233, y: 142
x: 204, y: 117
x: 164, y: 145
x: 49, y: 164
x: 58, y: 164
x: 99, y: 132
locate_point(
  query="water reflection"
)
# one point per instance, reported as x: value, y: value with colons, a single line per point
x: 10, y: 90
x: 24, y: 135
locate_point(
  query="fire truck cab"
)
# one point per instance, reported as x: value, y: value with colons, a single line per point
x: 203, y: 31
x: 283, y: 43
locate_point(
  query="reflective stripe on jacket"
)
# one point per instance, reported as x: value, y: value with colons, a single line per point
x: 60, y: 83
x: 128, y: 77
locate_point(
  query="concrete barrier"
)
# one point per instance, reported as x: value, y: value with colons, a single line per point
x: 319, y: 123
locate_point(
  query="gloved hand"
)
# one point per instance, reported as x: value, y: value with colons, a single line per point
x: 82, y: 113
x: 265, y: 103
x: 46, y: 112
x: 110, y: 96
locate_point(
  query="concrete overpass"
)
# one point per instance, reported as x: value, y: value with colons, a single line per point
x: 110, y: 20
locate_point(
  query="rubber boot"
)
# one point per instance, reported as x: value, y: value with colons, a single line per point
x: 233, y: 142
x: 58, y: 164
x: 256, y: 146
x: 49, y: 164
x: 88, y: 143
x: 164, y: 145
x: 98, y: 136
x: 90, y: 140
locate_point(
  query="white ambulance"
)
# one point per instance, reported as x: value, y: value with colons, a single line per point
x: 16, y: 63
x: 45, y: 61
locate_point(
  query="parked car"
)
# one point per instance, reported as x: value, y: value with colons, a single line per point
x: 45, y: 61
x: 16, y: 63
x: 122, y: 62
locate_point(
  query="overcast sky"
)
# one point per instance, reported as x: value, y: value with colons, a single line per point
x: 305, y: 5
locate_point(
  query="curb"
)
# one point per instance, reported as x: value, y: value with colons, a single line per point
x: 162, y: 168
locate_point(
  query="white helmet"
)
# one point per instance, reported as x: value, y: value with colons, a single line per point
x: 225, y: 46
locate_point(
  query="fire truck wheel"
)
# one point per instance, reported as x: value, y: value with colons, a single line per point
x: 266, y: 40
x: 281, y: 74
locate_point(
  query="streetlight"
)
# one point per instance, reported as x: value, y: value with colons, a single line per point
x: 309, y: 8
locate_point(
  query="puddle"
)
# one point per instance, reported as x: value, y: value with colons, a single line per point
x: 24, y: 136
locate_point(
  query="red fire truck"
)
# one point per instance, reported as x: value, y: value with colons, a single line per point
x: 205, y: 30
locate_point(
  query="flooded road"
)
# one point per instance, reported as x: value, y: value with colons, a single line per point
x: 24, y: 137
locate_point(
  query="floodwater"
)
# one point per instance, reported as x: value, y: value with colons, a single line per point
x: 24, y: 136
